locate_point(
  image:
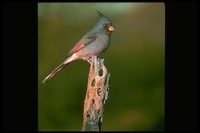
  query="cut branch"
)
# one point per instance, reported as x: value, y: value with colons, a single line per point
x: 96, y: 95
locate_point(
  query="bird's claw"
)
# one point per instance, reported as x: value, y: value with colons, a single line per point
x: 89, y: 60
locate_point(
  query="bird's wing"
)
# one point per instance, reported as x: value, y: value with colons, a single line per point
x: 86, y: 40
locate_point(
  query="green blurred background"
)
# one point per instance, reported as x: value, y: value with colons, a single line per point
x: 135, y: 60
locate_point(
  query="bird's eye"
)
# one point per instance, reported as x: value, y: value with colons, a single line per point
x: 105, y: 25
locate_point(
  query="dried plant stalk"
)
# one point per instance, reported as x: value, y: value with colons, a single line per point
x: 96, y: 95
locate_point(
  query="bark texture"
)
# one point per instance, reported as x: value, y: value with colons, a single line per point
x: 96, y: 95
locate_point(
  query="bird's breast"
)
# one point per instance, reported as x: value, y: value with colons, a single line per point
x: 100, y: 44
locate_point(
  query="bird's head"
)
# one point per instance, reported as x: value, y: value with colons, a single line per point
x: 104, y: 24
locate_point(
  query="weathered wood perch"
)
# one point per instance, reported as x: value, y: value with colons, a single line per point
x: 96, y: 95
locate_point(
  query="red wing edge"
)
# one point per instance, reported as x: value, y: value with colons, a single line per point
x: 81, y: 46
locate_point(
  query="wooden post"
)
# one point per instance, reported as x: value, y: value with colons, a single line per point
x: 96, y: 95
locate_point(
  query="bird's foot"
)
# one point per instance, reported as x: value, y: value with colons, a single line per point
x: 89, y: 60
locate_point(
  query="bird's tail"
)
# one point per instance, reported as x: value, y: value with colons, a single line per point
x: 60, y: 67
x: 54, y: 72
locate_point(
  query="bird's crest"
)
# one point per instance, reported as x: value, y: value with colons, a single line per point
x: 103, y: 19
x: 100, y: 14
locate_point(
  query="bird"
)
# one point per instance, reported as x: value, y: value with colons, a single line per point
x: 96, y: 41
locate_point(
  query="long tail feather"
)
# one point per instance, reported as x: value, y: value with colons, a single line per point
x: 54, y: 72
x: 60, y: 67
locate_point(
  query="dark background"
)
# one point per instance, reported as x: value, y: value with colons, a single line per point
x: 135, y: 59
x: 20, y: 60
